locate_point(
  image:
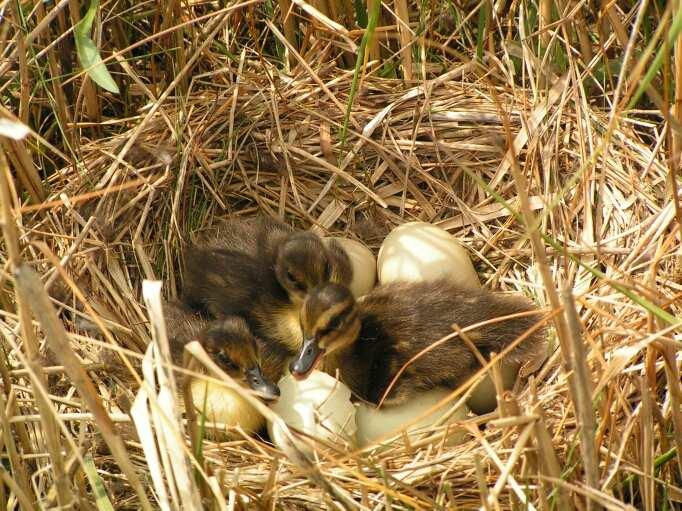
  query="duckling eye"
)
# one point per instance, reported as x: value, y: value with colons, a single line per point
x: 334, y: 324
x: 226, y: 361
x: 292, y: 279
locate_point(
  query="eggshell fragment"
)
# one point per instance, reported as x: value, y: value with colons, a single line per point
x: 318, y: 406
x: 375, y: 423
x: 362, y: 261
x: 418, y: 251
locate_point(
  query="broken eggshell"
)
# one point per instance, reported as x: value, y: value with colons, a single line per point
x: 318, y: 406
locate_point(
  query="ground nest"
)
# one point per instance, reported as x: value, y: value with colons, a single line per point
x: 464, y: 150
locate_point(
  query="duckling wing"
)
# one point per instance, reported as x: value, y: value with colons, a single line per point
x: 414, y: 316
x: 253, y: 236
x: 220, y: 282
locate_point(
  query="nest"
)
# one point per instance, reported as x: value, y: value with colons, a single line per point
x: 466, y: 150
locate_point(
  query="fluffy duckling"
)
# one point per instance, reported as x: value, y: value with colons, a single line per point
x: 369, y: 341
x: 261, y: 269
x: 231, y: 345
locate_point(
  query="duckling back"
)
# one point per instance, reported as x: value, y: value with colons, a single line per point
x: 400, y: 320
x: 231, y: 267
x: 182, y: 326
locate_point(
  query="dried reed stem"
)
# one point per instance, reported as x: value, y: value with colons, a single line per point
x: 675, y: 160
x: 33, y: 289
x: 405, y: 32
x: 64, y: 494
x: 24, y: 80
x: 582, y: 392
x: 19, y: 473
x: 289, y: 22
x: 672, y: 374
x: 647, y: 445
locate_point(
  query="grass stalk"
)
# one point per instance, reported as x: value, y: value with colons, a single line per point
x: 675, y: 159
x: 579, y: 374
x: 61, y: 105
x: 24, y: 74
x: 367, y: 37
x: 59, y: 344
x: 403, y: 19
x: 374, y: 48
x: 90, y: 97
x: 19, y: 491
x: 289, y: 24
x: 647, y: 439
x: 25, y: 169
x: 549, y: 462
x: 51, y: 434
x: 20, y: 485
x: 673, y: 378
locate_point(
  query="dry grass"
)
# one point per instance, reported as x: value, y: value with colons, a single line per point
x: 546, y: 157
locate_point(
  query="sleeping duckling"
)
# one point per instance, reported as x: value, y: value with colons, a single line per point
x: 369, y: 341
x: 231, y: 345
x: 261, y: 269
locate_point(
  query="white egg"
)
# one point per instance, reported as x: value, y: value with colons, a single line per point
x: 418, y: 251
x: 318, y: 406
x: 375, y: 423
x: 362, y: 261
x: 483, y: 399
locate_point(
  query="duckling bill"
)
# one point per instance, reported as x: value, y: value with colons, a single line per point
x: 369, y: 341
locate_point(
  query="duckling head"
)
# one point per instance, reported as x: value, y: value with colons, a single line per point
x: 302, y: 264
x: 330, y: 322
x: 232, y: 346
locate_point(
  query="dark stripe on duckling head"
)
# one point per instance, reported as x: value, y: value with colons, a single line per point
x: 322, y: 304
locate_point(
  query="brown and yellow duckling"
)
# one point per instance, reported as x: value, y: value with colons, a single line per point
x: 262, y: 269
x: 231, y: 345
x: 369, y: 341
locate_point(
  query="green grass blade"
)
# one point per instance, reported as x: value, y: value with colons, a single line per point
x: 675, y: 30
x: 366, y: 40
x: 360, y: 13
x: 88, y: 54
x: 101, y: 497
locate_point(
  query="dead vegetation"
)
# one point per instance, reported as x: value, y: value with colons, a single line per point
x: 548, y: 157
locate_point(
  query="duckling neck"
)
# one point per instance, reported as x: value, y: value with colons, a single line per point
x: 348, y: 364
x: 341, y: 364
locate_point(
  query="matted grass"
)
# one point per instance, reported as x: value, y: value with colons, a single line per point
x: 527, y: 156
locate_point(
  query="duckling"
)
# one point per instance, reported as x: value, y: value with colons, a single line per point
x: 261, y: 269
x: 231, y: 345
x: 369, y: 341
